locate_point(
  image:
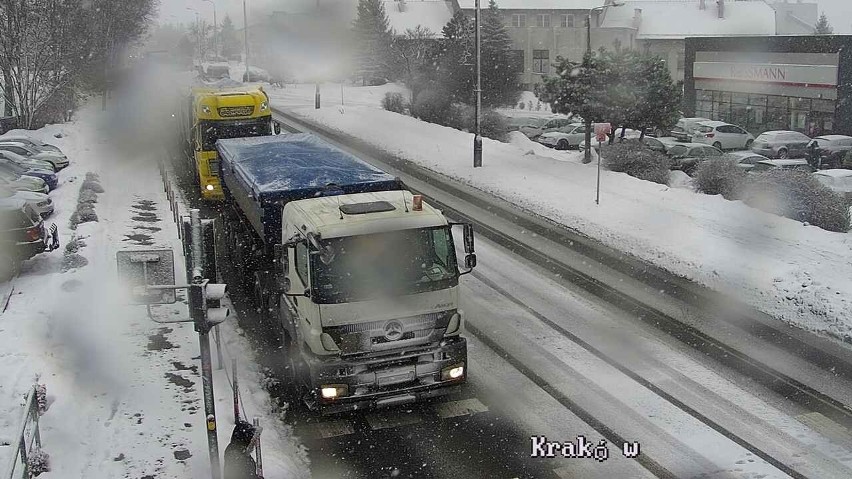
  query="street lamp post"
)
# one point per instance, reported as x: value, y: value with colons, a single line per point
x: 587, y: 155
x: 246, y: 41
x: 215, y: 28
x: 477, y: 138
x: 197, y: 33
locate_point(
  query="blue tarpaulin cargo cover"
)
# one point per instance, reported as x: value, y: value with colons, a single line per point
x: 288, y: 166
x: 261, y: 174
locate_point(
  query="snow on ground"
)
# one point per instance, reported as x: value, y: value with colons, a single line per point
x: 800, y: 274
x: 125, y: 397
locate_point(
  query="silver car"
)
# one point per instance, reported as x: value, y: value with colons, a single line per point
x: 58, y: 160
x: 781, y: 144
x: 536, y: 128
x: 40, y: 202
x: 32, y: 142
x: 22, y: 182
x: 29, y: 163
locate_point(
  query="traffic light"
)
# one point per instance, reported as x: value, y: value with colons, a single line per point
x: 202, y: 312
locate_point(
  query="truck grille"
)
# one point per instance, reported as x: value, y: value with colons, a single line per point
x: 384, y: 334
x: 230, y: 111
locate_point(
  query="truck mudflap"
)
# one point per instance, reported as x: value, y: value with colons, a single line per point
x: 377, y: 382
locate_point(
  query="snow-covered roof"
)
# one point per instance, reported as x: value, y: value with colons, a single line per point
x: 675, y: 19
x: 431, y: 14
x: 535, y: 4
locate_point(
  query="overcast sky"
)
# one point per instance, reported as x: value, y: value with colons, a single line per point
x: 175, y: 11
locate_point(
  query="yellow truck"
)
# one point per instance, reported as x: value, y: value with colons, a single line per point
x: 212, y: 114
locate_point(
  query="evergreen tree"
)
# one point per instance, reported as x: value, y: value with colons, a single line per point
x: 456, y: 65
x: 500, y: 85
x: 228, y: 40
x: 372, y: 38
x: 822, y: 26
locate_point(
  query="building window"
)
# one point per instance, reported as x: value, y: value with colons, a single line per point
x: 542, y: 20
x: 516, y: 59
x: 541, y: 61
x: 568, y: 21
x: 519, y: 20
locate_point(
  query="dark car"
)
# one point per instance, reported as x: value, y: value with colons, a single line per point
x: 49, y: 177
x: 781, y: 144
x: 686, y: 156
x: 832, y: 149
x: 22, y: 232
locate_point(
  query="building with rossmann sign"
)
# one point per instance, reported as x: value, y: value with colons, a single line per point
x: 762, y: 83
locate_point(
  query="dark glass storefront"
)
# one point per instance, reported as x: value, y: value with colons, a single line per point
x: 758, y: 113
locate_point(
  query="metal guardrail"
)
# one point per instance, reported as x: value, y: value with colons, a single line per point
x: 28, y: 439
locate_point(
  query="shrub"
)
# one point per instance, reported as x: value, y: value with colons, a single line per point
x: 799, y: 196
x: 637, y: 161
x: 847, y: 160
x: 463, y: 117
x: 720, y: 176
x: 394, y: 101
x: 431, y: 106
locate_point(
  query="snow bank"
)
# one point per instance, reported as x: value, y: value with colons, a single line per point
x: 797, y: 273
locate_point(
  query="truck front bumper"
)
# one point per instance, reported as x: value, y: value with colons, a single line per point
x: 375, y: 382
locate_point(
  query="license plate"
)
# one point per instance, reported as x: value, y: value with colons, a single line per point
x: 395, y: 376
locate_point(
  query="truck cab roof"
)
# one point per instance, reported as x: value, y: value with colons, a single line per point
x: 324, y: 215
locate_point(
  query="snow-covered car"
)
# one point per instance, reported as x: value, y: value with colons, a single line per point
x: 30, y: 141
x: 22, y: 183
x: 628, y: 135
x: 837, y: 180
x: 22, y: 231
x: 40, y: 202
x: 536, y: 128
x: 782, y: 164
x: 26, y: 162
x: 723, y: 136
x: 565, y: 137
x: 685, y: 128
x: 215, y: 71
x: 49, y: 177
x: 781, y: 144
x: 257, y: 75
x: 744, y: 159
x: 58, y: 160
x: 686, y: 156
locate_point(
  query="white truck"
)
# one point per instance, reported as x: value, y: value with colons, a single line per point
x: 357, y: 276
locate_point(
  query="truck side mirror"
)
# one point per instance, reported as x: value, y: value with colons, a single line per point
x: 276, y: 127
x: 470, y: 261
x: 468, y: 238
x: 281, y: 258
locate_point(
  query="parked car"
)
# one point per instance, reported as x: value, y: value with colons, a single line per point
x: 22, y: 231
x: 723, y: 136
x: 629, y: 134
x: 215, y: 71
x: 27, y: 162
x: 58, y: 160
x: 686, y: 156
x: 782, y: 164
x: 40, y: 202
x: 536, y: 129
x: 568, y: 136
x: 49, y: 178
x: 22, y: 183
x: 685, y: 128
x: 33, y: 142
x: 832, y: 149
x: 257, y: 75
x: 744, y: 159
x: 837, y: 180
x: 781, y: 144
x: 515, y: 123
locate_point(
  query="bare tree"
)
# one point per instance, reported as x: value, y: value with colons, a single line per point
x: 413, y: 56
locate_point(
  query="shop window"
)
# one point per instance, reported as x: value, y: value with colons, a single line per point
x: 739, y: 98
x: 825, y: 106
x: 541, y: 61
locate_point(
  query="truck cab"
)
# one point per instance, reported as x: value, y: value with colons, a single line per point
x: 368, y: 276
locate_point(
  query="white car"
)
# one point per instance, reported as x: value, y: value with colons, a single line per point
x: 536, y: 127
x: 569, y: 136
x: 40, y: 202
x: 744, y: 159
x: 33, y: 142
x: 723, y: 136
x: 837, y: 180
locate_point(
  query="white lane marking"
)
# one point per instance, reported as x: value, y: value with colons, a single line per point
x: 395, y: 419
x: 329, y: 429
x: 463, y: 407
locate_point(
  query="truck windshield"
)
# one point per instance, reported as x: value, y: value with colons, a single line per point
x: 216, y: 130
x: 396, y: 263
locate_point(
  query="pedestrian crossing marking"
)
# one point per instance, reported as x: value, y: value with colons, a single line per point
x: 395, y: 419
x: 463, y: 407
x: 826, y: 427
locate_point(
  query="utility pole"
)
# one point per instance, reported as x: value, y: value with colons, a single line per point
x: 587, y: 156
x: 246, y: 40
x: 477, y: 137
x: 215, y: 29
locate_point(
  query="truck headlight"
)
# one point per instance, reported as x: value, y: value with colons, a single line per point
x: 454, y: 371
x: 264, y: 106
x: 205, y: 109
x: 209, y: 187
x: 333, y: 391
